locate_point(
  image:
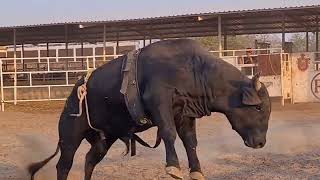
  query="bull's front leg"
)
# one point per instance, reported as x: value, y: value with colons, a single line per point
x: 162, y: 116
x: 168, y: 134
x: 187, y: 133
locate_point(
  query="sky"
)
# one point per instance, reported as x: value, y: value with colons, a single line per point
x: 28, y: 12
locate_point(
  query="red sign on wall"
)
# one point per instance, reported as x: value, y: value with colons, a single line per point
x: 303, y: 62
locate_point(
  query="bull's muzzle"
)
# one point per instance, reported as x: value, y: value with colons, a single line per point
x: 255, y: 143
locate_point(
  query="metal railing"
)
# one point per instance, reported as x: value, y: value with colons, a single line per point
x: 237, y: 52
x: 30, y: 70
x: 43, y: 66
x: 246, y: 60
x: 236, y: 57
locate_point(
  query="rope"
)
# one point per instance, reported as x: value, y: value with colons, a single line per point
x: 271, y: 66
x: 82, y: 95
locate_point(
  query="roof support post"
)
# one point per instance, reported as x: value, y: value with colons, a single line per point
x: 283, y: 33
x: 104, y: 42
x: 317, y: 40
x: 225, y: 44
x: 219, y: 36
x: 317, y: 43
x: 307, y: 41
x: 67, y: 54
x: 117, y: 48
x: 317, y: 35
x: 15, y: 67
x: 81, y: 53
x: 317, y: 48
x: 22, y: 56
x: 150, y: 40
x: 94, y: 59
x: 66, y: 38
x: 48, y: 59
x: 48, y: 49
x: 281, y: 57
x: 1, y: 87
x: 66, y: 41
x: 283, y: 39
x: 144, y: 41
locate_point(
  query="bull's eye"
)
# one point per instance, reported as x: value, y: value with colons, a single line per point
x: 258, y: 108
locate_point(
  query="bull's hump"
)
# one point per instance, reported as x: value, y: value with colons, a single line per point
x: 183, y: 45
x: 173, y: 50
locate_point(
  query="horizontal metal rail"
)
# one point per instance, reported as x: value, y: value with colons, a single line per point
x: 88, y: 61
x: 224, y: 53
x: 60, y: 57
x: 35, y: 100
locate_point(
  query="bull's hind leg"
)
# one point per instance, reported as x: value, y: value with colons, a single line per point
x: 68, y: 149
x: 98, y: 150
x: 187, y: 133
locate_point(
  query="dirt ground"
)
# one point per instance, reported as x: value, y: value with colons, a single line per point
x: 29, y: 133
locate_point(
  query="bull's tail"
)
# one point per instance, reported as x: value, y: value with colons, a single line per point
x: 143, y: 143
x: 126, y: 141
x: 34, y: 167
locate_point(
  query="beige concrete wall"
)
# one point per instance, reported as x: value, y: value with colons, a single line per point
x: 301, y: 80
x: 273, y: 84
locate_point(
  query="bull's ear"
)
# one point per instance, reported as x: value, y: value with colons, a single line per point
x: 250, y: 96
x: 255, y: 82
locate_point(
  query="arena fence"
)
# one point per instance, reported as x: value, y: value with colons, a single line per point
x: 269, y: 62
x: 51, y: 78
x: 43, y: 78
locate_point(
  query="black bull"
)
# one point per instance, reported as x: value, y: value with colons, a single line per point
x: 179, y: 81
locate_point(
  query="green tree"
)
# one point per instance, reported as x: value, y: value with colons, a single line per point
x: 299, y: 42
x: 209, y: 42
x: 273, y: 39
x: 239, y: 41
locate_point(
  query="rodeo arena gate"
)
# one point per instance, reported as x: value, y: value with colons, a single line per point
x: 42, y: 62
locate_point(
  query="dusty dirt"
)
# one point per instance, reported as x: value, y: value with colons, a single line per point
x: 29, y: 133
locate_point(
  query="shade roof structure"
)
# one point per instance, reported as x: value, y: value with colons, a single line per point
x: 255, y: 21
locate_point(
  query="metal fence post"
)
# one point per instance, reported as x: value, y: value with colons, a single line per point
x: 49, y: 92
x: 48, y: 61
x: 87, y: 59
x: 282, y: 76
x: 94, y: 58
x: 2, y: 93
x: 67, y: 78
x: 30, y: 80
x: 15, y: 68
x: 219, y: 36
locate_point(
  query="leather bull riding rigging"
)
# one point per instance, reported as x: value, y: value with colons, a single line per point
x: 130, y: 88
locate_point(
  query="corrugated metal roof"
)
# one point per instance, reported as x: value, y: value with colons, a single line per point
x: 166, y: 17
x: 250, y: 21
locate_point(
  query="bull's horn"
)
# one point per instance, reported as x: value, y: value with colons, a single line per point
x: 256, y: 83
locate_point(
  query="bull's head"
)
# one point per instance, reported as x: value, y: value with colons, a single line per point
x: 250, y: 117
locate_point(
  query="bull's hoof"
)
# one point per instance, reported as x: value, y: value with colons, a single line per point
x: 174, y: 172
x: 196, y: 176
